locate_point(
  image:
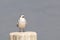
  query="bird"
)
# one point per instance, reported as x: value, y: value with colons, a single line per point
x: 21, y: 23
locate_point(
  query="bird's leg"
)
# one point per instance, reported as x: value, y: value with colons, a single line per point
x: 21, y: 30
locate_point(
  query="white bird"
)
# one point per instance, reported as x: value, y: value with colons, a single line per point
x: 21, y: 22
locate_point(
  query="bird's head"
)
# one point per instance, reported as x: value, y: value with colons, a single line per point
x: 22, y: 16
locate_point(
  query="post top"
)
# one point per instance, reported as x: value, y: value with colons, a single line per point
x: 23, y: 33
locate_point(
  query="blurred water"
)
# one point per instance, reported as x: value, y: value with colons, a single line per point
x: 43, y: 16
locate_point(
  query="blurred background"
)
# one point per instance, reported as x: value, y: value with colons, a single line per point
x: 43, y: 17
